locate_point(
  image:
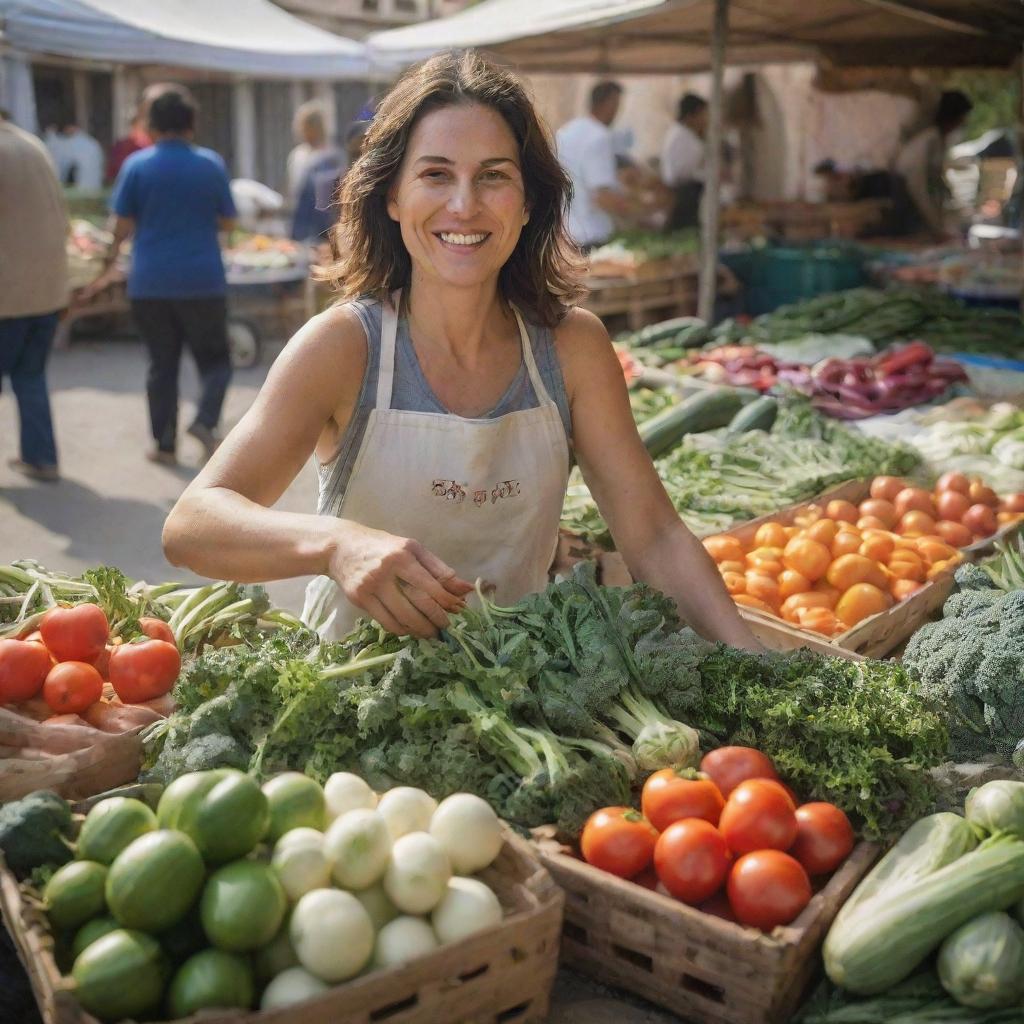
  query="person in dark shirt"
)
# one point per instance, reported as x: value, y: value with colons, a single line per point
x: 174, y: 197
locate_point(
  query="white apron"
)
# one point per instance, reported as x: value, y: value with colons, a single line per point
x: 484, y: 495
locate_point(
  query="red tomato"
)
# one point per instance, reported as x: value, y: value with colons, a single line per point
x: 729, y: 766
x: 75, y: 634
x: 692, y: 860
x: 144, y: 670
x: 758, y: 817
x: 981, y: 520
x: 71, y: 687
x: 718, y: 906
x: 782, y: 788
x: 23, y: 668
x: 824, y: 838
x: 157, y: 629
x: 618, y: 840
x: 102, y: 662
x: 768, y: 888
x: 672, y: 794
x: 953, y: 481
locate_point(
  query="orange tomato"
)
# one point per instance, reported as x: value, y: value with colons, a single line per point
x: 914, y: 499
x: 792, y: 605
x: 846, y: 543
x: 917, y: 522
x: 978, y: 493
x: 790, y: 532
x: 870, y: 523
x: 847, y: 570
x: 907, y: 570
x: 792, y: 582
x: 938, y: 568
x: 861, y: 601
x: 878, y: 508
x: 817, y: 620
x: 981, y: 520
x: 770, y: 535
x: 1012, y: 503
x: 808, y: 557
x: 953, y: 482
x: 902, y: 589
x: 764, y: 588
x: 735, y: 582
x: 723, y: 549
x: 877, y: 546
x: 823, y: 531
x: 887, y: 487
x: 759, y: 555
x: 955, y: 534
x: 933, y: 550
x: 824, y: 587
x: 841, y: 511
x: 752, y: 602
x: 952, y: 505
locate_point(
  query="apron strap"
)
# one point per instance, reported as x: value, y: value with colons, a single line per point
x: 386, y: 365
x: 543, y: 398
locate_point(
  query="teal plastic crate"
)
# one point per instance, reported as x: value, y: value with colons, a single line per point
x: 782, y: 274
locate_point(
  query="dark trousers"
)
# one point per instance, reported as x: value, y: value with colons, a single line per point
x: 24, y: 346
x: 167, y: 326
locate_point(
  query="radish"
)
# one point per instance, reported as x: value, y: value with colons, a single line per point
x: 469, y: 831
x: 402, y: 940
x: 293, y: 985
x: 332, y: 934
x: 377, y: 904
x: 346, y: 792
x: 406, y: 810
x: 358, y: 846
x: 419, y: 870
x: 300, y: 862
x: 468, y: 906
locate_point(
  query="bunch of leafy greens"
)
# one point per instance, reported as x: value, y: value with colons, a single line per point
x: 717, y: 478
x: 550, y: 709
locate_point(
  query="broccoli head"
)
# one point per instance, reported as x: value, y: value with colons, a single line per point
x: 34, y: 831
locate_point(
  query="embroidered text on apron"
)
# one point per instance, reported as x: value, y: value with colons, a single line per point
x: 484, y: 495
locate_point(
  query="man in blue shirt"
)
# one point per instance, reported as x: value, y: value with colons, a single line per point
x: 175, y: 197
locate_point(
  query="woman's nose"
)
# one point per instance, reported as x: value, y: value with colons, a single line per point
x: 463, y: 199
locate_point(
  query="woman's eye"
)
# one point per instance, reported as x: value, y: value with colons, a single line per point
x: 494, y: 176
x: 437, y: 175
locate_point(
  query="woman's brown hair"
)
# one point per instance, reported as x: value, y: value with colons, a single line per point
x: 541, y: 276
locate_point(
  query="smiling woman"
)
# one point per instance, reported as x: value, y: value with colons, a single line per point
x: 445, y: 398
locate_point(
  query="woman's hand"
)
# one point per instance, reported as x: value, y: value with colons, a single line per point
x: 396, y: 580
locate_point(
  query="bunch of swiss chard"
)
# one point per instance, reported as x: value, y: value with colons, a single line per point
x: 550, y: 709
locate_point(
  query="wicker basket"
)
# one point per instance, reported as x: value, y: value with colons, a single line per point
x: 696, y: 965
x: 499, y: 976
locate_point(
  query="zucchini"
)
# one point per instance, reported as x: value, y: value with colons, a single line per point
x: 757, y: 415
x: 889, y: 937
x: 705, y: 411
x: 666, y: 330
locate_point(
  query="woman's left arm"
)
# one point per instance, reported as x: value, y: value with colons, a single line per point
x: 658, y: 547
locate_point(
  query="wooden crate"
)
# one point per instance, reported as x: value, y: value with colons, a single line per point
x: 701, y: 967
x: 503, y: 974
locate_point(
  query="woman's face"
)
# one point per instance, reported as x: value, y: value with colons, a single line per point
x: 459, y: 195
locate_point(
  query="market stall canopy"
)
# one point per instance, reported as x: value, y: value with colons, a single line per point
x: 252, y: 37
x: 671, y: 36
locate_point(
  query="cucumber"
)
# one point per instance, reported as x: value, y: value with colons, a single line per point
x: 666, y: 330
x: 210, y: 979
x: 242, y: 907
x: 75, y: 894
x: 111, y: 825
x: 120, y: 975
x: 705, y: 411
x: 90, y: 932
x: 155, y: 881
x: 757, y: 415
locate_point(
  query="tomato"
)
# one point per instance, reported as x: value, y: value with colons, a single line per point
x: 144, y: 670
x: 746, y: 601
x: 807, y: 557
x: 783, y: 789
x: 71, y: 687
x: 764, y: 588
x: 770, y: 535
x: 886, y: 487
x: 157, y: 629
x: 981, y: 520
x: 978, y: 493
x: 870, y: 523
x: 740, y: 567
x: 916, y: 523
x: 933, y: 550
x: 758, y: 817
x: 618, y: 840
x: 953, y: 482
x: 791, y: 582
x: 735, y: 582
x: 861, y: 601
x: 824, y: 838
x: 955, y: 534
x: 102, y: 662
x: 877, y: 546
x: 902, y: 589
x: 723, y: 549
x: 823, y: 531
x: 818, y: 620
x: 841, y: 511
x: 1013, y: 503
x: 792, y: 606
x: 23, y: 668
x: 672, y: 794
x: 692, y: 860
x: 847, y: 542
x: 952, y: 505
x: 718, y: 906
x: 879, y: 508
x: 729, y: 766
x: 914, y: 499
x: 75, y: 634
x: 847, y: 570
x: 768, y: 888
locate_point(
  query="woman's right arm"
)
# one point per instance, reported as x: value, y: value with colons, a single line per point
x: 223, y: 525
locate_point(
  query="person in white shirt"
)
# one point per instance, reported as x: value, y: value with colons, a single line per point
x: 682, y: 161
x: 77, y: 156
x: 586, y: 149
x: 920, y: 188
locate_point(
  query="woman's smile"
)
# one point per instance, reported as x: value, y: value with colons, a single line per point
x: 463, y: 243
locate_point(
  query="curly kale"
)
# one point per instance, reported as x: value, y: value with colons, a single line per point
x: 971, y: 662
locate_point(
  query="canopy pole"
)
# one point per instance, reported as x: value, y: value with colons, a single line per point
x: 713, y: 167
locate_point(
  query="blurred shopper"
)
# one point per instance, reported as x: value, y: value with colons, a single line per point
x: 174, y: 197
x: 136, y: 139
x: 920, y: 189
x: 77, y: 156
x: 33, y: 287
x: 682, y: 161
x: 586, y: 149
x: 314, y: 166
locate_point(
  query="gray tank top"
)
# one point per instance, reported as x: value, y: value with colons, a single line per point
x: 412, y: 393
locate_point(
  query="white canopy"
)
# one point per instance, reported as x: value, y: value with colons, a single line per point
x: 252, y: 37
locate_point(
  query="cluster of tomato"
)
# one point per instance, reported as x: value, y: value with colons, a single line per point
x: 71, y: 655
x: 837, y: 565
x: 734, y: 825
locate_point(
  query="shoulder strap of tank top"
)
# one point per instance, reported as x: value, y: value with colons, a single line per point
x: 543, y: 398
x: 386, y: 364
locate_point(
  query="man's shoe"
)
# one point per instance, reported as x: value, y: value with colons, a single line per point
x: 162, y: 457
x: 206, y: 437
x: 34, y: 472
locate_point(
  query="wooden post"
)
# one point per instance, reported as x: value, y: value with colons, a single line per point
x: 713, y: 165
x: 244, y: 115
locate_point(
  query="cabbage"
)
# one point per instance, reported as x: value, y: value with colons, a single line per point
x: 1009, y: 449
x: 665, y: 744
x: 982, y: 963
x: 997, y: 807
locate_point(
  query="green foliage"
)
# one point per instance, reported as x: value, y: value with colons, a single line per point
x: 996, y: 99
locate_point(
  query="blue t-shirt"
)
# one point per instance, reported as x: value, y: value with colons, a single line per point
x: 175, y: 192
